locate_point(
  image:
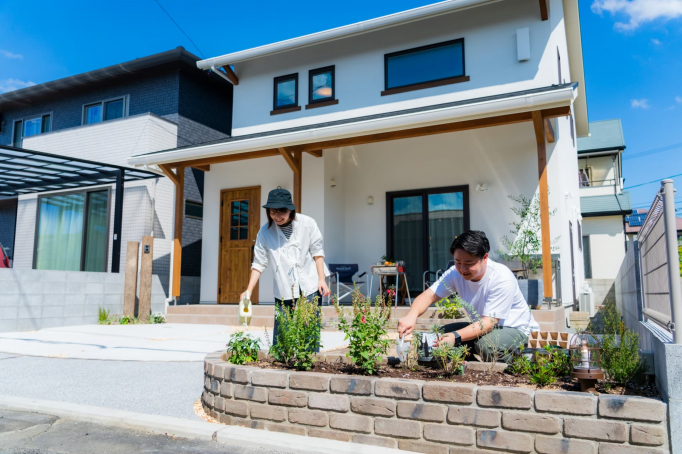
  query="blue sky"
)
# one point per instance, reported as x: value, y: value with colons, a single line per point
x: 632, y: 51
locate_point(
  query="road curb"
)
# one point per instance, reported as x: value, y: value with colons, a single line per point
x: 178, y: 427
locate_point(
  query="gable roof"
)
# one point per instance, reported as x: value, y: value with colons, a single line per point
x: 604, y: 135
x: 605, y: 205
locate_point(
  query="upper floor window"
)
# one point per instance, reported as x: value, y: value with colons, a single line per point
x: 285, y: 94
x: 30, y: 126
x: 105, y: 110
x: 424, y: 67
x: 321, y: 85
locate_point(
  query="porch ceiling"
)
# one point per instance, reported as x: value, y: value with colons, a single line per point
x: 507, y: 108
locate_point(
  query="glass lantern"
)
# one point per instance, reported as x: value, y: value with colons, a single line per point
x: 585, y: 352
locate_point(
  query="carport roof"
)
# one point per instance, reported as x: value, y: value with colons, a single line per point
x: 27, y: 171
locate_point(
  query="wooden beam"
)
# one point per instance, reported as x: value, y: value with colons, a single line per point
x: 290, y: 159
x: 298, y: 180
x: 538, y: 127
x: 203, y: 168
x: 168, y: 171
x: 549, y: 131
x: 316, y: 153
x: 177, y: 231
x: 556, y: 112
x: 227, y: 158
x: 544, y: 14
x: 231, y: 75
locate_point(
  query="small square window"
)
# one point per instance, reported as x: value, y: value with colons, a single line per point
x: 93, y: 114
x: 286, y: 91
x: 113, y: 109
x: 322, y: 84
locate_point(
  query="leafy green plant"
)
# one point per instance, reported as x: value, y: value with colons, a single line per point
x: 412, y: 357
x: 366, y: 328
x: 298, y: 335
x: 607, y: 320
x: 520, y: 365
x: 126, y: 320
x: 545, y: 367
x: 157, y: 317
x: 622, y: 361
x: 103, y: 316
x: 526, y: 244
x: 543, y: 372
x: 450, y: 308
x: 242, y: 348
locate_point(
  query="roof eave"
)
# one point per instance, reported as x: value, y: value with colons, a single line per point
x: 577, y: 70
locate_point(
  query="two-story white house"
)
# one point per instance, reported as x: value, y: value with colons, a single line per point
x: 383, y: 129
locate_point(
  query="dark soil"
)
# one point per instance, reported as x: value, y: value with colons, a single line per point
x: 480, y: 378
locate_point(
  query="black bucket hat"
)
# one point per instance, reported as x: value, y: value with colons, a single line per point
x: 280, y: 198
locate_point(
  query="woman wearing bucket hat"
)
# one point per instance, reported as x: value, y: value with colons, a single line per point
x: 292, y: 243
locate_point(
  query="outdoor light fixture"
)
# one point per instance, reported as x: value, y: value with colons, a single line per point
x: 332, y: 183
x: 370, y: 200
x: 482, y: 187
x: 586, y: 360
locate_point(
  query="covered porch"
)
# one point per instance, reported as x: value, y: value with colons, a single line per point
x: 380, y: 185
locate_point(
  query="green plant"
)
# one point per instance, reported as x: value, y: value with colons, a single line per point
x: 126, y: 320
x: 561, y: 362
x: 412, y: 359
x: 242, y: 348
x: 157, y: 317
x: 607, y: 320
x: 103, y: 315
x: 545, y: 367
x: 450, y: 308
x: 543, y: 372
x: 622, y: 361
x: 298, y: 335
x: 526, y: 245
x: 520, y: 365
x: 366, y: 328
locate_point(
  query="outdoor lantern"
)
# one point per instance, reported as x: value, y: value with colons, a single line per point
x: 586, y: 360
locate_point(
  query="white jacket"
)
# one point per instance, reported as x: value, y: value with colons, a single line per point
x: 293, y: 258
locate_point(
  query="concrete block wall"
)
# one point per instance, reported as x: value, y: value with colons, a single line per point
x: 39, y: 299
x: 433, y: 417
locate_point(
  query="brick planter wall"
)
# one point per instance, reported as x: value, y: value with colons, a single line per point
x: 432, y: 417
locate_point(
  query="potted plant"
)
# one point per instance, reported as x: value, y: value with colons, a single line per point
x: 525, y: 246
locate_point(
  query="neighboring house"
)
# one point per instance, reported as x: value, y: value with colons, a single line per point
x: 399, y: 120
x: 107, y: 115
x: 603, y: 205
x: 633, y: 224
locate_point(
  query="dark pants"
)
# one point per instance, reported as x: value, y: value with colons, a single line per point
x: 499, y: 344
x: 289, y: 304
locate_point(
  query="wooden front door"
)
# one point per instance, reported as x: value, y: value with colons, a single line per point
x: 239, y: 224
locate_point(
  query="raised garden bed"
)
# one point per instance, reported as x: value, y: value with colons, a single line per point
x: 430, y: 415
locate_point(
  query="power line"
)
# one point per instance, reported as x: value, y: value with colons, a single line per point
x: 652, y: 151
x: 654, y: 181
x: 180, y: 28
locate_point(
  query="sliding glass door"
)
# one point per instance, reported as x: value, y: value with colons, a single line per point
x: 421, y: 227
x: 72, y: 231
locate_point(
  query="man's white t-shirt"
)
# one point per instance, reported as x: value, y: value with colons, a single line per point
x: 496, y: 295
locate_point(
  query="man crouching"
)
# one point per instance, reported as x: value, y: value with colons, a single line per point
x: 500, y: 317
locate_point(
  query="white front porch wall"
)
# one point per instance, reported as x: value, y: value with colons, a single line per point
x: 503, y: 157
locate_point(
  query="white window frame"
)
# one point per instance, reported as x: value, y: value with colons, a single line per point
x: 126, y: 103
x: 23, y: 124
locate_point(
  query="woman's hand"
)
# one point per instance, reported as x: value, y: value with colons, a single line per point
x: 323, y: 288
x: 406, y: 324
x: 445, y: 339
x: 243, y: 295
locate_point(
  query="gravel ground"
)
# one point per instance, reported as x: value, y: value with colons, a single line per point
x: 31, y: 433
x: 157, y: 388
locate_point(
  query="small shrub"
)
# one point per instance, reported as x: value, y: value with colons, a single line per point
x: 545, y: 367
x: 242, y: 348
x: 520, y: 365
x: 126, y: 320
x: 103, y: 315
x: 298, y: 335
x: 366, y: 329
x: 607, y: 320
x: 622, y: 362
x: 542, y: 373
x: 156, y: 318
x: 412, y: 359
x: 450, y: 308
x: 450, y: 358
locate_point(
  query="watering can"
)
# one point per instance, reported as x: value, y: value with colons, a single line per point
x: 245, y: 310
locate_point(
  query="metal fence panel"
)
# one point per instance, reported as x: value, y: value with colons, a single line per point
x: 629, y: 298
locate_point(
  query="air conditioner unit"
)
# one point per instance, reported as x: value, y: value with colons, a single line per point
x: 587, y: 300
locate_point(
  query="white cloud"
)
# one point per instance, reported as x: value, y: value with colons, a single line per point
x: 639, y: 103
x: 13, y: 84
x: 639, y: 11
x: 8, y: 54
x: 656, y: 42
x: 678, y: 99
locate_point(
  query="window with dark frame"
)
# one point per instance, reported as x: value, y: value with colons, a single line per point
x: 30, y: 126
x: 194, y: 210
x: 587, y: 256
x: 109, y: 109
x: 285, y: 94
x: 321, y: 85
x: 424, y: 67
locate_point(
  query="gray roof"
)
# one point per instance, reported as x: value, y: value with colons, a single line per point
x: 605, y: 205
x: 604, y: 135
x: 396, y: 113
x: 179, y: 54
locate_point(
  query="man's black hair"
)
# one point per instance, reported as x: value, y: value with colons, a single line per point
x: 473, y: 241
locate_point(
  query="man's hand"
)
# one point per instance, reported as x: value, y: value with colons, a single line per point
x: 323, y: 288
x: 406, y: 324
x: 445, y: 339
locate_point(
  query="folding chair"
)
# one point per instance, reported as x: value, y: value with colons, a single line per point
x: 342, y: 276
x: 431, y: 277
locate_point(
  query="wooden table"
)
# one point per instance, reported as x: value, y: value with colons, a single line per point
x: 390, y: 270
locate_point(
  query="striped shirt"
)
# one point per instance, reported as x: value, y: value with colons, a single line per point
x: 287, y: 229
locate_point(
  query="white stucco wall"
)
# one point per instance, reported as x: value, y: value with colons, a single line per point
x: 505, y: 158
x: 491, y: 61
x: 607, y: 245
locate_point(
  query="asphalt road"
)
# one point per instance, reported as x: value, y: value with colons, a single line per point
x: 157, y: 388
x: 31, y: 433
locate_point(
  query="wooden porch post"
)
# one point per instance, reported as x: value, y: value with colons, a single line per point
x: 178, y: 178
x: 295, y: 161
x: 538, y: 126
